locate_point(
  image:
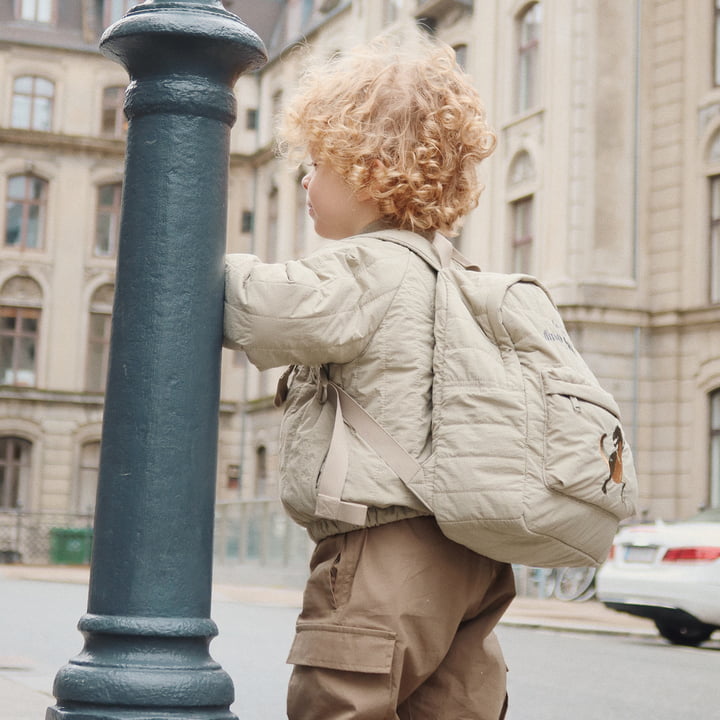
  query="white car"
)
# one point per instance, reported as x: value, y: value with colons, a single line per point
x: 669, y: 573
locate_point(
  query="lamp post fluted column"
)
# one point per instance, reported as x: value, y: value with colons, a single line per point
x: 147, y: 628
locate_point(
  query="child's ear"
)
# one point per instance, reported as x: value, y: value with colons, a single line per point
x: 378, y: 169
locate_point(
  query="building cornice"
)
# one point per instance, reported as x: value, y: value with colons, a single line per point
x: 61, y: 142
x: 94, y: 400
x: 689, y: 318
x: 26, y: 394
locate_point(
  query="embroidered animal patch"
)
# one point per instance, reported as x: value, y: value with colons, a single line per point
x: 614, y: 460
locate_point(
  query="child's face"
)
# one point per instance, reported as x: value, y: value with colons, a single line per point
x: 336, y: 210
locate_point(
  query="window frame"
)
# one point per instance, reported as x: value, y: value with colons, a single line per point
x: 33, y: 97
x: 21, y: 465
x: 113, y: 108
x: 112, y: 213
x: 522, y: 245
x: 714, y: 238
x: 98, y: 346
x: 527, y: 60
x: 26, y: 203
x: 87, y: 476
x: 714, y: 448
x: 260, y: 484
x: 18, y: 334
x: 21, y: 4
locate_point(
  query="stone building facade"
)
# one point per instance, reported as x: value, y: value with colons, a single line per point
x: 605, y: 184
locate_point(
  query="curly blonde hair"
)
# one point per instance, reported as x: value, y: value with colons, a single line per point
x: 400, y: 121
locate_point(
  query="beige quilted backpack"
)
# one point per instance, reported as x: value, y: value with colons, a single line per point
x: 549, y: 473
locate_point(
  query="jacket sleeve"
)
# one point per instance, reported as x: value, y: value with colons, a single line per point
x: 321, y: 309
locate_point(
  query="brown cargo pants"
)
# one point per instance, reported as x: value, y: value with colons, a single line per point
x: 397, y: 624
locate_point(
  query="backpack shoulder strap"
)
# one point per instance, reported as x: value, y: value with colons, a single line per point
x: 332, y: 476
x: 438, y: 253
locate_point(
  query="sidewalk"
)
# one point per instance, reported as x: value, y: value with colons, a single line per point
x: 590, y: 616
x: 20, y: 702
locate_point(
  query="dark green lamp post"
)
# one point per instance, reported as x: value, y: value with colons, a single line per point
x: 147, y: 629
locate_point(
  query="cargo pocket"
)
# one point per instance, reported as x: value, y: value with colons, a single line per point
x: 341, y: 669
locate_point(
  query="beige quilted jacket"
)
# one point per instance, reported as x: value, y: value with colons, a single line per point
x: 364, y: 309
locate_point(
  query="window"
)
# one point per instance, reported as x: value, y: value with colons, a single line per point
x: 88, y: 477
x: 522, y: 169
x: 715, y: 239
x: 40, y: 11
x: 522, y: 237
x: 247, y: 221
x: 99, y: 338
x: 391, y: 11
x: 32, y: 103
x: 715, y: 449
x: 251, y: 119
x: 18, y: 343
x: 461, y: 52
x: 115, y: 9
x: 716, y: 45
x: 112, y: 121
x: 300, y: 218
x: 107, y: 226
x: 276, y: 104
x: 233, y: 477
x: 528, y: 57
x: 14, y: 470
x: 261, y: 472
x: 271, y: 250
x: 307, y: 10
x: 25, y: 218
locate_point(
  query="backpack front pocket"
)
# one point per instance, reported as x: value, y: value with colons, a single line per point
x: 582, y: 420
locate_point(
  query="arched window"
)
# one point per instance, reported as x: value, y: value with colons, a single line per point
x: 32, y: 103
x: 25, y: 212
x: 20, y: 302
x: 112, y: 120
x: 529, y: 24
x: 99, y: 338
x: 715, y: 449
x: 522, y: 169
x: 14, y: 470
x: 107, y: 220
x: 87, y: 477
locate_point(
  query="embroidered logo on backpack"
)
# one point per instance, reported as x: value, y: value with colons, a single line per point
x: 614, y: 460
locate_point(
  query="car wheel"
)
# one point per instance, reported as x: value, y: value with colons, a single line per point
x: 684, y: 632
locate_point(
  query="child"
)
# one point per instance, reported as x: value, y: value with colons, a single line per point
x: 397, y: 620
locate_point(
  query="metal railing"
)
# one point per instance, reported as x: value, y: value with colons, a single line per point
x: 260, y: 532
x: 249, y: 532
x: 41, y: 538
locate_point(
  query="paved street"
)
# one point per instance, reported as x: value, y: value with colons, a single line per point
x: 568, y: 661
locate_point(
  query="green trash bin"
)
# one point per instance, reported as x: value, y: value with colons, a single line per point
x: 70, y: 546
